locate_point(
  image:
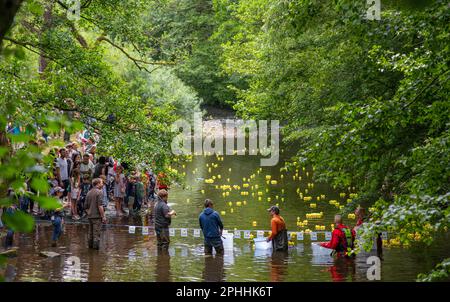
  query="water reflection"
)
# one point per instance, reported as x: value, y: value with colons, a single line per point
x: 126, y: 257
x: 162, y: 268
x: 214, y: 269
x: 278, y: 266
x: 343, y: 269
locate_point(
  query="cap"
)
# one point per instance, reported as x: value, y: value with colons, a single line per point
x: 275, y: 209
x: 58, y: 189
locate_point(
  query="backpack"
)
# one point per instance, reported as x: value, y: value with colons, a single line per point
x: 346, y: 245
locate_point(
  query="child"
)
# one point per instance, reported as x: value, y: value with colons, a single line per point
x: 57, y: 217
x: 85, y: 186
x: 119, y: 189
x: 105, y: 193
x: 75, y: 193
x: 139, y: 197
x: 10, y: 211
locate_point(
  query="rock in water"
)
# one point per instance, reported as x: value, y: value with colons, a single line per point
x: 10, y: 252
x: 49, y: 254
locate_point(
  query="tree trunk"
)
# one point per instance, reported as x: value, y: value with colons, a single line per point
x: 43, y: 61
x: 8, y: 9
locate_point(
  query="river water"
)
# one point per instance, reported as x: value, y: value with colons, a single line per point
x: 134, y: 257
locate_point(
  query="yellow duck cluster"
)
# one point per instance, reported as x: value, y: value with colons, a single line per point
x: 320, y: 228
x: 248, y: 187
x: 314, y: 215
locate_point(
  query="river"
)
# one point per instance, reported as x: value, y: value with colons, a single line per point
x: 134, y: 257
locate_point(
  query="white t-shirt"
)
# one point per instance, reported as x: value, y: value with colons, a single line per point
x: 85, y: 168
x: 63, y: 168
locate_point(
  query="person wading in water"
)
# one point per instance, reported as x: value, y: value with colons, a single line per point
x: 278, y: 236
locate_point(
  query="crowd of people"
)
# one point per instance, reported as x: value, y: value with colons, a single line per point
x: 76, y: 174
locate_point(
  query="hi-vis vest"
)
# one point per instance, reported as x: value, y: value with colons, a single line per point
x: 348, y: 242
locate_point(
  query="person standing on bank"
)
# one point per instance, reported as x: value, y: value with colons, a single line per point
x: 95, y: 213
x: 212, y: 228
x: 63, y: 165
x: 278, y: 236
x: 163, y: 218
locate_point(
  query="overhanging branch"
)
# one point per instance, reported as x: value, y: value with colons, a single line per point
x: 103, y: 38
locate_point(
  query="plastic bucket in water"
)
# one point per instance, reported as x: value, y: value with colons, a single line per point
x: 319, y: 250
x: 227, y: 239
x: 262, y: 244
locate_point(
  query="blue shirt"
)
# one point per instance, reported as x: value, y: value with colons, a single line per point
x: 210, y: 223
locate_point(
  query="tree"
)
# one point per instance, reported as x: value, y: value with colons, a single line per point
x: 58, y: 74
x: 368, y: 100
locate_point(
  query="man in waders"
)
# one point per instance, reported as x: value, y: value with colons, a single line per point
x: 163, y: 218
x: 278, y: 236
x: 342, y: 238
x: 212, y: 228
x: 95, y: 213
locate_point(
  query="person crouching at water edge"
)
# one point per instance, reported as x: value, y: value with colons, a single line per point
x: 95, y: 213
x: 342, y: 239
x: 278, y: 236
x: 163, y: 218
x: 212, y: 228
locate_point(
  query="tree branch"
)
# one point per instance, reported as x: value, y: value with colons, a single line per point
x: 77, y: 35
x: 42, y: 52
x: 8, y: 10
x: 30, y: 27
x: 426, y: 87
x: 103, y: 38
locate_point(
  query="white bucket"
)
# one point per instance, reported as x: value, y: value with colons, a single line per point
x: 319, y: 250
x: 227, y: 239
x: 262, y: 244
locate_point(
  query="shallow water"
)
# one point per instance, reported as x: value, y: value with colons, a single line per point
x: 134, y: 257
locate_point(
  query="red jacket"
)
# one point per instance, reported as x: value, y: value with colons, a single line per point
x: 337, y: 237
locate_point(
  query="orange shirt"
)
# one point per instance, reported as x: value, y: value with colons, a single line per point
x: 277, y: 224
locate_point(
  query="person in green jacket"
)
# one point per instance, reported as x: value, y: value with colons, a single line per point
x: 139, y: 194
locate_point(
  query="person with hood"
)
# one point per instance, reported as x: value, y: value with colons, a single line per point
x: 212, y: 228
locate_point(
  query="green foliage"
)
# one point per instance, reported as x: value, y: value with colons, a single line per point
x: 60, y: 75
x: 368, y: 100
x: 19, y: 221
x: 192, y: 30
x: 440, y: 273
